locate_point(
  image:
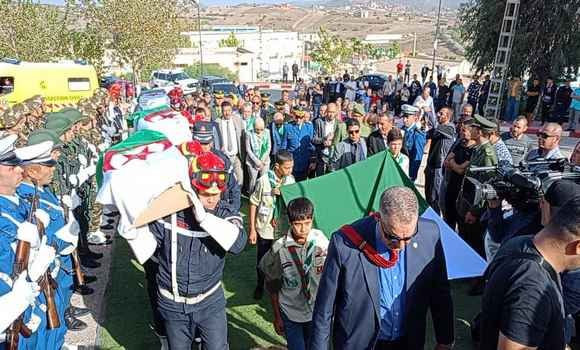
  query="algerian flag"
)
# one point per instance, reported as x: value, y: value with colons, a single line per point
x: 172, y: 124
x: 349, y: 194
x: 132, y: 174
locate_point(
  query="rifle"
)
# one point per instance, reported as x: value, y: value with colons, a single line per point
x: 79, y: 275
x: 47, y: 283
x: 22, y: 255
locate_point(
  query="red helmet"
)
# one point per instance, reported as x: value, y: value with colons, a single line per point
x: 175, y: 93
x: 208, y: 173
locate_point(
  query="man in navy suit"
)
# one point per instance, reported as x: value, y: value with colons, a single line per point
x: 381, y: 275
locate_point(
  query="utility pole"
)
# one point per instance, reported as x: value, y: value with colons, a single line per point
x: 436, y: 38
x: 198, y: 4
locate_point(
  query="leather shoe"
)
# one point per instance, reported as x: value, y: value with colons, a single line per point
x: 107, y: 227
x: 89, y: 263
x: 83, y: 290
x: 258, y: 293
x: 73, y: 324
x: 78, y: 311
x: 89, y: 278
x: 111, y: 214
x: 90, y: 254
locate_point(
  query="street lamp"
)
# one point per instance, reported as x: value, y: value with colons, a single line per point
x: 197, y: 3
x: 436, y: 38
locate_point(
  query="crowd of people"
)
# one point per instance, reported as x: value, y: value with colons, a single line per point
x: 368, y: 286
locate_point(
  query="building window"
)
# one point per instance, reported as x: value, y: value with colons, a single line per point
x: 79, y: 84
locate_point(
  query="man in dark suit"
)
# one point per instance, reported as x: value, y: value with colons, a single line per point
x: 381, y: 275
x: 377, y: 140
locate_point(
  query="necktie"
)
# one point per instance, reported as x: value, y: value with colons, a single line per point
x: 354, y: 152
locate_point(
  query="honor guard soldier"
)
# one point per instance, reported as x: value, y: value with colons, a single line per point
x: 216, y: 109
x: 267, y: 109
x: 192, y: 245
x: 483, y: 156
x: 19, y: 240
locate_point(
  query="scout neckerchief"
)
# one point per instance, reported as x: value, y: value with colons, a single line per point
x: 374, y: 257
x: 259, y: 146
x: 304, y: 268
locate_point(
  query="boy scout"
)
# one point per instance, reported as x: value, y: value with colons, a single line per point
x: 293, y: 268
x: 262, y: 208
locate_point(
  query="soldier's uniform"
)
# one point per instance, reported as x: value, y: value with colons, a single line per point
x: 14, y: 216
x: 216, y: 109
x: 483, y: 155
x: 267, y: 110
x: 192, y: 245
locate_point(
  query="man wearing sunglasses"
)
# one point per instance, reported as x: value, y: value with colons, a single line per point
x: 353, y: 149
x: 548, y: 144
x: 192, y: 246
x: 382, y: 274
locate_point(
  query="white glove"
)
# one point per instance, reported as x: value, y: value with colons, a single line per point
x: 43, y: 217
x: 29, y: 233
x: 83, y: 160
x: 198, y: 209
x: 44, y: 257
x: 68, y: 234
x: 24, y: 289
x: 17, y: 300
x: 82, y: 176
x: 66, y: 200
x: 92, y: 148
x: 102, y: 147
x: 76, y: 200
x: 91, y: 170
x: 73, y: 180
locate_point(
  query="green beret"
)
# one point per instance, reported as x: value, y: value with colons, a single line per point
x: 280, y: 103
x: 73, y: 114
x: 59, y: 124
x: 41, y: 135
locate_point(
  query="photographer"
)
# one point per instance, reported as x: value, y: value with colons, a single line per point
x: 522, y: 306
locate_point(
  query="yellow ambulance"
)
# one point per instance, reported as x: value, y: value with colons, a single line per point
x: 61, y: 84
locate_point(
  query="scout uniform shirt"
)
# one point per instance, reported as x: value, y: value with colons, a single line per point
x: 297, y: 285
x: 265, y: 201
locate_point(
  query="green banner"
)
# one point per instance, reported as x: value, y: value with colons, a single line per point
x: 351, y: 193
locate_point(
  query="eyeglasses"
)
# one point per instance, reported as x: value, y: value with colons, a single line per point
x: 352, y: 132
x: 396, y: 239
x: 543, y: 135
x: 255, y: 103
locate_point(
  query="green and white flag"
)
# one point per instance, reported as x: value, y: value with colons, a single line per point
x: 135, y: 172
x: 349, y: 194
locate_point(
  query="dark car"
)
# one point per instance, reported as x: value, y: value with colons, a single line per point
x: 107, y: 81
x: 207, y: 81
x: 376, y: 81
x: 226, y: 88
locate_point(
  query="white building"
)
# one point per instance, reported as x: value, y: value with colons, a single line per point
x: 265, y: 53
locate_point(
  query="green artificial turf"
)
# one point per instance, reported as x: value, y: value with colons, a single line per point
x: 128, y: 313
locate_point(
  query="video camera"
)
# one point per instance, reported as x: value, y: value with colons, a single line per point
x: 521, y: 186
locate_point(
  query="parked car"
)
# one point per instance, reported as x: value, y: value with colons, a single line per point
x: 107, y: 80
x: 168, y: 78
x: 207, y: 81
x: 226, y: 88
x: 376, y: 81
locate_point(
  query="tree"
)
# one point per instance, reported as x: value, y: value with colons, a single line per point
x: 194, y: 71
x: 547, y: 40
x: 230, y: 41
x: 330, y: 51
x: 141, y: 33
x: 82, y: 39
x: 29, y: 32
